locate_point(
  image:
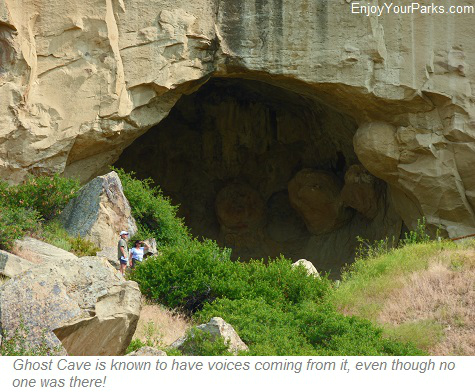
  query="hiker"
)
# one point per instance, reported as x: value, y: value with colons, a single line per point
x: 123, y: 251
x: 137, y: 253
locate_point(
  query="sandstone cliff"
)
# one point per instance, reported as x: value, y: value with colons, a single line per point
x: 81, y: 80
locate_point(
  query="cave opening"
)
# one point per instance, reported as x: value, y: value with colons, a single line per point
x: 265, y: 171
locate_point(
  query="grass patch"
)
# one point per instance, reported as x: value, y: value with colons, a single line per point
x: 422, y: 333
x: 54, y: 234
x: 420, y: 293
x: 367, y: 283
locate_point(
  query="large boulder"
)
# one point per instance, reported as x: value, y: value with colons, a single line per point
x: 12, y: 265
x: 218, y: 327
x: 99, y: 212
x: 82, y: 306
x: 315, y: 195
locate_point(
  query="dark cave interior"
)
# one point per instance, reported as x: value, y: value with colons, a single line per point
x: 265, y: 171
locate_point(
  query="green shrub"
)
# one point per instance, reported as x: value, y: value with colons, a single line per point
x: 183, y: 275
x: 153, y: 212
x: 134, y: 345
x: 46, y: 195
x: 266, y: 329
x: 197, y: 272
x: 418, y: 236
x: 16, y: 222
x: 333, y: 333
x: 304, y: 329
x: 202, y: 343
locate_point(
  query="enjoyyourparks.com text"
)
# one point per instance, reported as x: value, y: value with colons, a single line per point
x: 371, y: 9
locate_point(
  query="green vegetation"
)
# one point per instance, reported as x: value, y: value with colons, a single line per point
x: 154, y: 213
x: 276, y: 309
x: 45, y: 195
x: 202, y: 343
x: 379, y: 275
x: 53, y: 233
x: 30, y: 208
x: 15, y: 222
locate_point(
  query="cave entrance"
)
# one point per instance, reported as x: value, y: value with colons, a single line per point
x: 265, y: 171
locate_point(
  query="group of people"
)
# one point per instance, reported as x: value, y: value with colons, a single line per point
x: 132, y: 257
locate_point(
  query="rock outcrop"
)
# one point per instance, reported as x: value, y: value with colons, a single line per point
x: 79, y: 85
x: 99, y: 212
x: 218, y: 327
x: 82, y: 306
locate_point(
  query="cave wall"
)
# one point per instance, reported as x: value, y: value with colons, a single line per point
x: 81, y: 80
x: 265, y: 172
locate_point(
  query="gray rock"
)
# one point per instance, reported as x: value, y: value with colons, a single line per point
x: 99, y: 212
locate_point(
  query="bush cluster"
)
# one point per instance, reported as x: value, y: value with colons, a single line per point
x: 15, y: 222
x: 153, y: 212
x: 197, y: 272
x: 275, y: 308
x: 24, y: 207
x: 46, y: 195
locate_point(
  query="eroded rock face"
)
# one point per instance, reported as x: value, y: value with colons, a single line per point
x: 79, y: 85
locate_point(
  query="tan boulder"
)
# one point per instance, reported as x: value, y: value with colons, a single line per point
x: 315, y: 195
x: 99, y: 212
x: 110, y: 330
x: 81, y: 299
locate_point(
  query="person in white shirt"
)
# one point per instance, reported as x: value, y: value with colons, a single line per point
x: 137, y: 252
